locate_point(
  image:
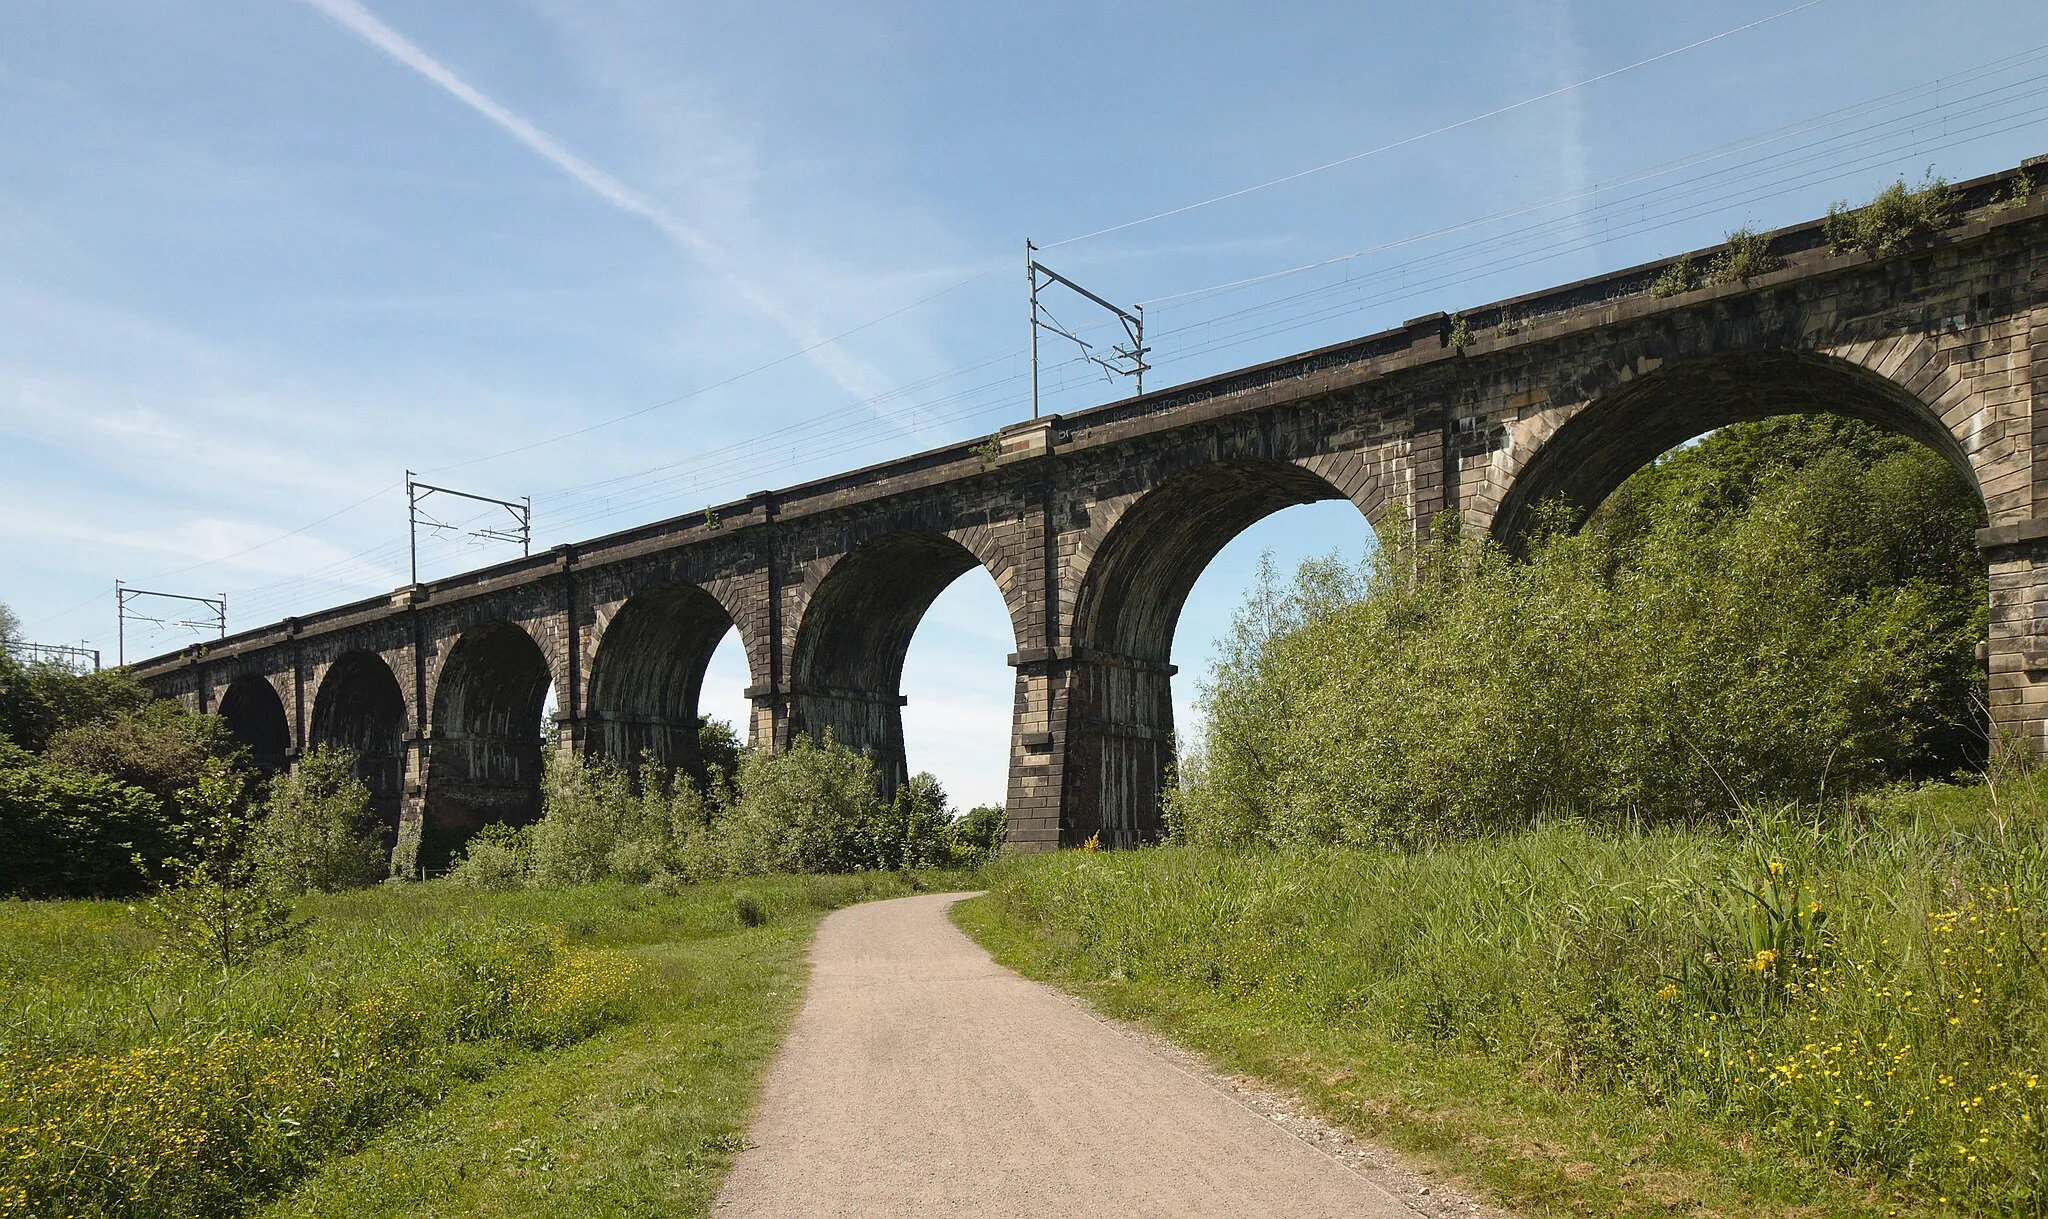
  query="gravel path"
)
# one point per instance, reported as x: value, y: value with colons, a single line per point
x: 921, y: 1078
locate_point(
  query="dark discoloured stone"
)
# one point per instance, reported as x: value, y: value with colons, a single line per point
x: 1095, y: 526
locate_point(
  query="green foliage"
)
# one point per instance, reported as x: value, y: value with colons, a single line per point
x: 131, y: 1088
x: 161, y: 748
x: 1898, y: 216
x: 812, y: 808
x: 1678, y: 278
x: 598, y: 824
x: 1861, y: 991
x: 38, y: 699
x: 1786, y: 609
x: 220, y: 908
x: 493, y: 860
x: 910, y: 832
x: 1460, y: 336
x: 989, y: 451
x: 801, y: 810
x: 978, y: 834
x: 719, y: 746
x: 316, y: 833
x: 2017, y: 191
x: 67, y: 834
x: 1746, y: 256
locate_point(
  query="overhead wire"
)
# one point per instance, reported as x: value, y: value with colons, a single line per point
x: 1434, y: 131
x: 737, y: 455
x: 828, y: 432
x: 991, y: 269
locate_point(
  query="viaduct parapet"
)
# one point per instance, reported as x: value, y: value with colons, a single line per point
x: 1095, y: 526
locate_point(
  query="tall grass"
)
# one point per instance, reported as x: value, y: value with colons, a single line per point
x: 1863, y: 993
x: 132, y: 1086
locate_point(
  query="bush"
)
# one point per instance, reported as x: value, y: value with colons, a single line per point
x: 316, y: 833
x: 1747, y: 255
x: 222, y: 909
x: 161, y: 748
x: 1677, y: 279
x: 802, y: 810
x: 1896, y: 217
x: 67, y: 834
x: 978, y: 835
x: 812, y: 808
x: 720, y: 747
x: 909, y: 832
x: 494, y: 860
x: 1784, y: 610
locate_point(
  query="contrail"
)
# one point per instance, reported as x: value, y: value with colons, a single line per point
x: 852, y: 375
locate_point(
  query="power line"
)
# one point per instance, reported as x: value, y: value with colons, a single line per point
x: 1447, y: 127
x: 738, y: 455
x: 972, y: 403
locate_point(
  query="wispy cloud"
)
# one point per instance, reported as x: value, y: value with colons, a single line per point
x: 852, y: 374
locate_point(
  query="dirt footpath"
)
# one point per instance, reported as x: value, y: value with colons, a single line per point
x: 921, y: 1078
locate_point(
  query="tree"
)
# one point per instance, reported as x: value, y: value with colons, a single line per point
x: 801, y: 810
x: 720, y: 747
x: 40, y: 698
x: 909, y: 832
x: 316, y: 833
x: 1783, y: 610
x: 66, y: 834
x: 978, y: 833
x: 221, y: 908
x: 161, y: 747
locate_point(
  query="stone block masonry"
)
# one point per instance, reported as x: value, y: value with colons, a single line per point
x: 1095, y: 526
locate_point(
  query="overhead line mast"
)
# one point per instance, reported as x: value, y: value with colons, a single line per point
x: 124, y: 594
x: 1120, y: 360
x: 521, y: 510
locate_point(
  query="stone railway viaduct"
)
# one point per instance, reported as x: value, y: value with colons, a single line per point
x: 1095, y: 526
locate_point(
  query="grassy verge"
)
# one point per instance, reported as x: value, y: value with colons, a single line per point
x: 1846, y: 1019
x: 435, y: 1051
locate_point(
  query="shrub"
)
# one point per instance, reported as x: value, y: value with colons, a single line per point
x: 812, y: 808
x: 2016, y: 192
x: 909, y: 832
x: 1775, y: 613
x: 316, y: 833
x: 221, y: 908
x: 978, y: 835
x: 1896, y: 217
x: 67, y: 834
x: 494, y: 860
x: 1747, y: 255
x: 1678, y: 278
x: 161, y: 748
x: 720, y: 747
x: 801, y: 810
x: 590, y: 817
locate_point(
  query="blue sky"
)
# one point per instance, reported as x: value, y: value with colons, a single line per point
x: 257, y: 259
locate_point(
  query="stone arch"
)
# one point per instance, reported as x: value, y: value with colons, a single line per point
x: 256, y: 716
x: 360, y: 707
x: 1581, y: 456
x: 484, y: 735
x: 1137, y: 577
x: 846, y: 666
x: 647, y: 675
